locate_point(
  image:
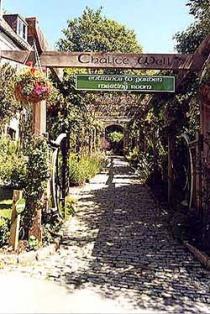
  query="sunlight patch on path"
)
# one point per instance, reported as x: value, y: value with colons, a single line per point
x: 20, y: 294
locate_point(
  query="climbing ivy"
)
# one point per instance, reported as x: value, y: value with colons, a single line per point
x: 8, y: 106
x: 37, y: 174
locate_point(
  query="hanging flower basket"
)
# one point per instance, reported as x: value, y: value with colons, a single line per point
x: 32, y: 87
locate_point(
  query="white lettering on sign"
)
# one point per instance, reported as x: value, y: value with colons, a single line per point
x: 113, y: 86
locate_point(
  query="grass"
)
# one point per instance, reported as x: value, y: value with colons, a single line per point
x: 6, y: 213
x: 5, y: 203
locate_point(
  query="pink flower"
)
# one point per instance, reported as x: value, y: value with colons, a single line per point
x: 39, y: 89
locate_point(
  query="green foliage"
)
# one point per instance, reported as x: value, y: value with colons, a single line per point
x: 133, y: 155
x: 6, y: 213
x: 37, y: 170
x: 76, y: 112
x: 116, y: 137
x: 32, y: 86
x: 12, y: 163
x: 198, y: 8
x: 94, y: 32
x: 8, y: 107
x: 84, y: 168
x: 70, y: 206
x: 4, y: 230
x: 76, y: 171
x: 189, y: 40
x: 37, y: 174
x: 33, y: 243
x: 6, y: 202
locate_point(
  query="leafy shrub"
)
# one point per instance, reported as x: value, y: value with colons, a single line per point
x: 85, y: 168
x: 33, y: 243
x: 37, y: 174
x: 70, y: 206
x: 76, y: 171
x: 133, y: 156
x: 12, y: 163
x: 8, y: 106
x: 116, y: 137
x: 4, y: 230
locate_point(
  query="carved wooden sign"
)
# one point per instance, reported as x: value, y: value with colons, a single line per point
x: 58, y: 59
x: 115, y: 60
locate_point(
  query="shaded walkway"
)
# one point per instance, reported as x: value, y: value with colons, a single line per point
x: 118, y: 246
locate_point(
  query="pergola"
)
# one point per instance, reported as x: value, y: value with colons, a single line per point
x: 179, y: 64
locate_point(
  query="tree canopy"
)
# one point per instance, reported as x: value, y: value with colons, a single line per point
x: 94, y: 32
x: 189, y: 40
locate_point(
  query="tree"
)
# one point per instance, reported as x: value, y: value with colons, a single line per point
x: 94, y: 32
x: 90, y: 32
x: 189, y: 40
x: 8, y: 105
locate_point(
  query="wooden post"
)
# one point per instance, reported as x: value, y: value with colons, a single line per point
x: 203, y: 185
x: 205, y: 135
x: 198, y: 171
x: 170, y: 170
x: 39, y: 128
x: 15, y: 220
x: 94, y: 139
x: 39, y: 118
x: 90, y: 142
x: 65, y: 173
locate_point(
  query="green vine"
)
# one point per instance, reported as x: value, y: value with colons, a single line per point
x: 37, y: 174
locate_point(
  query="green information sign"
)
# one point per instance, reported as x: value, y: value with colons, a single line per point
x: 146, y: 84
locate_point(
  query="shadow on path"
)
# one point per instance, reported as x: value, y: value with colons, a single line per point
x: 126, y: 251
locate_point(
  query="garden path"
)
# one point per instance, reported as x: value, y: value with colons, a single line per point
x: 118, y: 255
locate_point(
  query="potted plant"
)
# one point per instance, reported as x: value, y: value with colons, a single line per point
x: 32, y: 86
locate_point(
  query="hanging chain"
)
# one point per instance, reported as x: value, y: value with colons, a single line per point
x: 37, y: 58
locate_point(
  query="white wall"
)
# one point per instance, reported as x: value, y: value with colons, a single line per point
x: 7, y: 44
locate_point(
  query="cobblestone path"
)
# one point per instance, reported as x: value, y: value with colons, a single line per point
x: 119, y: 246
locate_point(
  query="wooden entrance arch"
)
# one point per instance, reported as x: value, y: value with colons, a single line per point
x: 181, y: 65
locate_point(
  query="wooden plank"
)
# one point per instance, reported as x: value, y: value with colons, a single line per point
x: 58, y: 59
x: 39, y: 118
x: 15, y: 221
x: 20, y: 56
x: 38, y: 129
x: 57, y: 74
x: 198, y: 61
x: 201, y: 54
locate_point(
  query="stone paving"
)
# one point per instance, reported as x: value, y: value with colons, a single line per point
x: 118, y: 245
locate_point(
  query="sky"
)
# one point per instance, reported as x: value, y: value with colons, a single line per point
x: 154, y: 21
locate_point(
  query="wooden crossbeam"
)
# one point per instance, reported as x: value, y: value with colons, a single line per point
x: 198, y: 61
x: 58, y: 59
x: 20, y: 56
